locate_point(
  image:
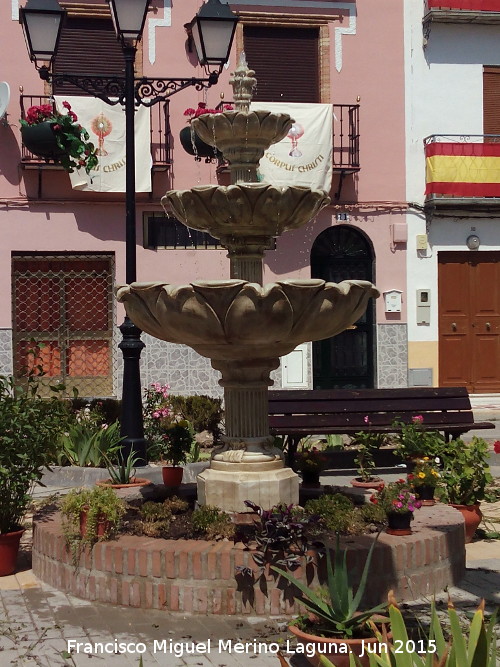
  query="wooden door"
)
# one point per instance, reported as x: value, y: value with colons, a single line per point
x: 469, y: 320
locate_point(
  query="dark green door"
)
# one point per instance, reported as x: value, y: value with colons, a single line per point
x: 344, y: 361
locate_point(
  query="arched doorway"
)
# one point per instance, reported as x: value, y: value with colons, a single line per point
x: 345, y: 361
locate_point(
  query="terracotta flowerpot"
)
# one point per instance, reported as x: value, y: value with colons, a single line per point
x: 41, y: 140
x: 136, y: 481
x: 193, y: 145
x: 374, y: 483
x: 472, y: 516
x: 399, y: 523
x: 425, y: 494
x: 103, y: 525
x: 172, y: 475
x: 9, y: 548
x: 337, y: 650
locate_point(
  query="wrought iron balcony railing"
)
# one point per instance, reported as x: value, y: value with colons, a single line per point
x: 462, y: 166
x: 161, y: 153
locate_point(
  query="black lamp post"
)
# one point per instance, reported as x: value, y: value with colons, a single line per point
x: 212, y: 30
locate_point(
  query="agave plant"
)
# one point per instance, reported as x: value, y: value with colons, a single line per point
x: 124, y: 472
x: 338, y: 610
x: 478, y: 650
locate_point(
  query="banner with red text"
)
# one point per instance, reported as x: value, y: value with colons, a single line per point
x: 304, y: 156
x: 106, y: 127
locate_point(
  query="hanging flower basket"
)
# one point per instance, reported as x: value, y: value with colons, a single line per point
x: 41, y: 140
x: 193, y: 145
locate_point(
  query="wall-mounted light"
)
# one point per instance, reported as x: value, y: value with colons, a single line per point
x: 473, y: 242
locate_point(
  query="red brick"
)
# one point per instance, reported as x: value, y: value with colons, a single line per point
x: 130, y: 555
x: 201, y: 600
x: 183, y: 561
x: 187, y: 599
x: 174, y: 598
x: 135, y: 594
x: 162, y: 596
x: 125, y: 590
x: 156, y: 570
x: 142, y: 562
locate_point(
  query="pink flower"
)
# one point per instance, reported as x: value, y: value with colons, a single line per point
x: 366, y: 419
x: 418, y: 419
x: 66, y: 105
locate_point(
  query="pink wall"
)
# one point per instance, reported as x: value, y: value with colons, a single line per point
x: 65, y: 220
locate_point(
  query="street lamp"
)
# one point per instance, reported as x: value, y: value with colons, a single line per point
x: 213, y: 29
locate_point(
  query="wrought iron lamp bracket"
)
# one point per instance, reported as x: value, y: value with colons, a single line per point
x: 111, y: 90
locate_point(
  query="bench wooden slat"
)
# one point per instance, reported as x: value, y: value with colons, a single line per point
x: 366, y: 406
x: 317, y: 421
x: 350, y: 394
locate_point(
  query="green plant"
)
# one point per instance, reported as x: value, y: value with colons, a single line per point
x: 177, y: 443
x: 157, y: 417
x: 465, y: 473
x: 335, y: 513
x: 425, y: 473
x: 474, y: 647
x: 337, y: 610
x: 29, y: 430
x: 176, y: 505
x: 311, y: 460
x: 334, y: 442
x: 396, y: 497
x: 84, y: 444
x: 413, y: 441
x: 155, y: 518
x: 71, y: 137
x: 212, y: 522
x: 366, y: 444
x: 101, y: 505
x: 205, y: 413
x: 124, y: 472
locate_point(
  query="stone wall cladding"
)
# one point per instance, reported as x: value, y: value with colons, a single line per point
x: 6, y: 365
x: 195, y: 576
x: 392, y: 355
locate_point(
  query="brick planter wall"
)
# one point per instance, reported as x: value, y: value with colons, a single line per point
x: 199, y: 577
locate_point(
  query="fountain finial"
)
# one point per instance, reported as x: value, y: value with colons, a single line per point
x: 243, y: 82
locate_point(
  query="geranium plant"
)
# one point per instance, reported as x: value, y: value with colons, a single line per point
x: 425, y: 473
x: 414, y: 441
x: 71, y: 137
x: 396, y: 498
x: 202, y: 109
x: 311, y: 460
x: 466, y: 472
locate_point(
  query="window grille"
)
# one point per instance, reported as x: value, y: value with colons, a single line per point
x: 63, y: 316
x: 162, y: 231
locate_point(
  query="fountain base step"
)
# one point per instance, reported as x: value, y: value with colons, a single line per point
x: 228, y: 489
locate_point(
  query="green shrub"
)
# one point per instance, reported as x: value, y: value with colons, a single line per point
x: 151, y: 511
x: 86, y: 444
x: 29, y: 431
x: 203, y: 412
x: 176, y: 505
x: 212, y: 522
x: 338, y: 513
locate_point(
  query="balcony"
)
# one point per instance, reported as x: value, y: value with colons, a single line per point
x: 462, y: 11
x: 160, y: 136
x: 462, y: 173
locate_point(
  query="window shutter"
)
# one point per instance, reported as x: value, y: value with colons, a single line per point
x: 87, y: 46
x: 491, y: 100
x: 286, y: 63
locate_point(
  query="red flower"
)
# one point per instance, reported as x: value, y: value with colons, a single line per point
x: 496, y: 446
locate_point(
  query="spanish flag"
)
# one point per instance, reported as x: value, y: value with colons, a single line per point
x: 463, y: 170
x: 468, y: 5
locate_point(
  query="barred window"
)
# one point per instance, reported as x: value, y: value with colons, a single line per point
x: 162, y: 231
x: 63, y: 319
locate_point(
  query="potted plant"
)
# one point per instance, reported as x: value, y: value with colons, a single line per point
x: 177, y: 442
x: 191, y: 142
x: 366, y: 444
x: 414, y: 442
x: 399, y: 502
x: 335, y: 624
x: 122, y: 474
x: 464, y: 477
x: 311, y: 462
x: 51, y: 134
x: 90, y: 515
x: 29, y: 430
x: 424, y: 479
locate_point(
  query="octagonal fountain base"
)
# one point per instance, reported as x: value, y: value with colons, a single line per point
x: 196, y: 576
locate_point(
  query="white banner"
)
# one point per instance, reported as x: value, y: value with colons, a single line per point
x: 304, y: 156
x: 106, y: 127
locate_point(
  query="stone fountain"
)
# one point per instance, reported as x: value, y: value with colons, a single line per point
x: 243, y: 326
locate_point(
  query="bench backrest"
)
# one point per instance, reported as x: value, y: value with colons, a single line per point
x: 336, y: 408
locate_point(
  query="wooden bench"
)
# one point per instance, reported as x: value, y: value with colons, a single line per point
x: 299, y: 413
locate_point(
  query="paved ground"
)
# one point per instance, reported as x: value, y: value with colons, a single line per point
x: 38, y: 623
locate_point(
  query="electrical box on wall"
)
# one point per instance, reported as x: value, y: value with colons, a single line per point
x: 399, y: 232
x: 392, y: 300
x: 423, y: 306
x: 422, y: 242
